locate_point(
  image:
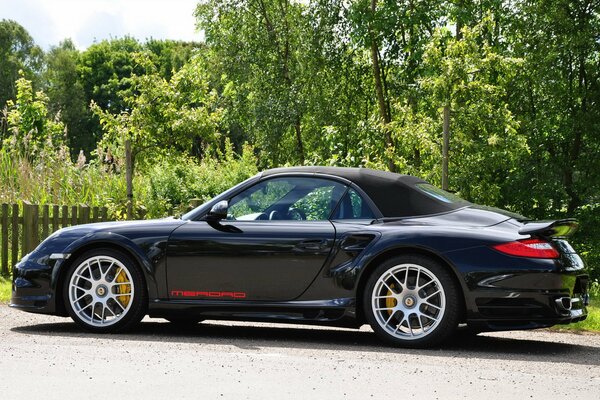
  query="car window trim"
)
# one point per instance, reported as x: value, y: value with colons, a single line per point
x: 255, y: 180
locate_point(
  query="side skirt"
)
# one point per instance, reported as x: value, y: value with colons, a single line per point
x: 336, y: 312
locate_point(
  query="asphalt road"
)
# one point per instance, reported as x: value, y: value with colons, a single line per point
x: 50, y: 358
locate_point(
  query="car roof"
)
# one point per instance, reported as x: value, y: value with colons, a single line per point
x: 395, y: 195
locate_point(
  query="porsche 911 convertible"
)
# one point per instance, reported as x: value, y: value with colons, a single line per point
x: 317, y: 245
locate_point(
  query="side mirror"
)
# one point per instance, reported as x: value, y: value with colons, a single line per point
x: 218, y: 211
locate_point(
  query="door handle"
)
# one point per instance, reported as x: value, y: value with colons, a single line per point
x: 312, y: 245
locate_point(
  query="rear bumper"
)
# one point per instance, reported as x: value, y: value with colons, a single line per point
x: 561, y: 299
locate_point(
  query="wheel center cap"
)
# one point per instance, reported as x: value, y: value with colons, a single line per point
x: 101, y: 290
x: 409, y: 301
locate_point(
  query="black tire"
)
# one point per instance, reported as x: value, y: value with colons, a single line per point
x: 396, y: 306
x: 121, y: 290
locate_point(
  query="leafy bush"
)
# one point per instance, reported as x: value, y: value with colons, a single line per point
x: 170, y: 183
x: 587, y: 240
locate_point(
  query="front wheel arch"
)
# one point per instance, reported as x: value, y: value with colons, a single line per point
x: 402, y: 251
x: 65, y: 266
x: 128, y: 267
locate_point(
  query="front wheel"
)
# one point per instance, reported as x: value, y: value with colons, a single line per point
x: 104, y: 291
x: 412, y: 301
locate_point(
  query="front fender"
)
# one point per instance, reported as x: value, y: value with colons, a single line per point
x: 149, y: 254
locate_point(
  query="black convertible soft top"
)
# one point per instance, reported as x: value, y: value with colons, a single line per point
x: 394, y: 194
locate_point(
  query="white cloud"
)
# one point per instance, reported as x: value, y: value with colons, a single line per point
x: 86, y: 21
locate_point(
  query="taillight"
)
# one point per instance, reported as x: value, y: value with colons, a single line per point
x: 532, y: 248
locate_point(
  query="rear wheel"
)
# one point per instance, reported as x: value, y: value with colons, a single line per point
x: 412, y: 301
x: 104, y: 291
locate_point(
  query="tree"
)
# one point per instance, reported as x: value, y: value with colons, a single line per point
x: 395, y: 34
x: 469, y: 77
x: 170, y: 55
x: 260, y: 47
x: 18, y: 52
x: 67, y: 97
x: 556, y: 97
x: 159, y: 116
x: 31, y: 129
x: 105, y: 69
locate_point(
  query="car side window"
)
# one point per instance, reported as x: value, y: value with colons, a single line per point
x: 353, y: 206
x: 303, y: 199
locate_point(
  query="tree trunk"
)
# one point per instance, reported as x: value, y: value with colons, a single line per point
x: 459, y: 21
x: 379, y: 89
x: 445, y: 147
x: 300, y: 146
x: 129, y: 178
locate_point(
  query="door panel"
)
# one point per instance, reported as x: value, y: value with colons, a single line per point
x: 251, y: 260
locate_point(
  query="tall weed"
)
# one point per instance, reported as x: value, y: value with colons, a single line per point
x: 162, y: 188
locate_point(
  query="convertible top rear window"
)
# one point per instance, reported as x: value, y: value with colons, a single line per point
x: 440, y: 194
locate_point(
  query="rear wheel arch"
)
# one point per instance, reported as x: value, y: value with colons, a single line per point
x: 403, y: 251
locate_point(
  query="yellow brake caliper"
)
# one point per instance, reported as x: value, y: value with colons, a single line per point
x: 123, y: 289
x: 390, y: 302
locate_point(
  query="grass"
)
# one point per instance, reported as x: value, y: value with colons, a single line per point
x: 5, y: 289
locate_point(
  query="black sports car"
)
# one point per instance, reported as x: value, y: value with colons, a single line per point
x: 336, y: 246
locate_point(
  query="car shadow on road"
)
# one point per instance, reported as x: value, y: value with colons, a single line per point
x: 258, y: 336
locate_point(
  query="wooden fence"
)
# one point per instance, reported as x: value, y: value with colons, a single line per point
x: 24, y: 226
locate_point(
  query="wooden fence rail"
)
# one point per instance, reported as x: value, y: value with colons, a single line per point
x: 24, y: 226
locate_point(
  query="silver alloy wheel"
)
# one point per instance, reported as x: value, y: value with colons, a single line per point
x: 408, y: 301
x: 101, y: 291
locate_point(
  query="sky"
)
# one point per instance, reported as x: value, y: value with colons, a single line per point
x: 89, y: 21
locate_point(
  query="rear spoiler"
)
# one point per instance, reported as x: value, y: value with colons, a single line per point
x: 557, y: 228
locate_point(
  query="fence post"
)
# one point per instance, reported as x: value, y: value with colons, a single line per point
x: 15, y: 235
x: 84, y: 212
x: 54, y: 218
x: 45, y: 221
x: 27, y: 227
x: 64, y: 217
x: 35, y: 232
x: 4, y: 239
x: 74, y: 215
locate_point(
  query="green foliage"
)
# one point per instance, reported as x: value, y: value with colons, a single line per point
x: 30, y: 126
x: 5, y: 290
x: 172, y: 182
x: 470, y: 76
x: 53, y: 179
x: 160, y: 114
x: 66, y: 96
x: 555, y: 98
x: 587, y: 240
x: 18, y: 52
x: 170, y: 56
x: 262, y: 72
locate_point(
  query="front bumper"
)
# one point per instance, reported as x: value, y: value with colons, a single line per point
x: 34, y: 286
